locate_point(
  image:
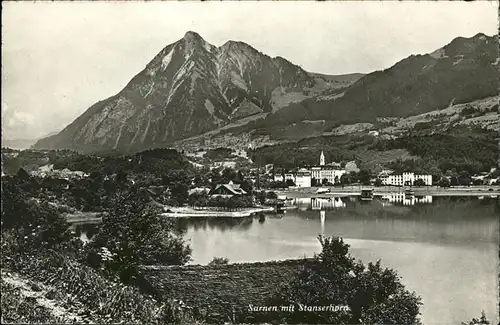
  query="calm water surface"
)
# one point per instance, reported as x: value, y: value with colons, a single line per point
x: 445, y: 249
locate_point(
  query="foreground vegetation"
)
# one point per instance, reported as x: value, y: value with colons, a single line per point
x: 100, y: 281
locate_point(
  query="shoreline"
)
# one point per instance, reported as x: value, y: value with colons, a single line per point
x: 184, y: 212
x: 384, y: 190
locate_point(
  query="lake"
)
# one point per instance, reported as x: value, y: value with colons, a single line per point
x: 444, y: 248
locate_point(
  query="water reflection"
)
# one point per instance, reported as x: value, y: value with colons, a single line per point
x: 322, y: 217
x: 404, y: 199
x: 222, y: 224
x: 434, y: 245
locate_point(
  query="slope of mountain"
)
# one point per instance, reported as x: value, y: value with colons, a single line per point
x: 189, y: 88
x: 462, y: 71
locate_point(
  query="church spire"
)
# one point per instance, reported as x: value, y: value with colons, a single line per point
x: 322, y: 159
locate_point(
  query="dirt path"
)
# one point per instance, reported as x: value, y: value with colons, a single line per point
x: 38, y: 291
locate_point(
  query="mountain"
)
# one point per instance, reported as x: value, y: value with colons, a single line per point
x: 464, y: 70
x: 193, y: 92
x: 22, y: 144
x: 189, y: 88
x: 461, y: 72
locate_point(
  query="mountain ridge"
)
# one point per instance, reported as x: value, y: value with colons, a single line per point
x: 192, y: 87
x: 189, y: 87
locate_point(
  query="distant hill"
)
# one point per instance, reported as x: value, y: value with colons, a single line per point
x: 462, y: 71
x: 22, y: 143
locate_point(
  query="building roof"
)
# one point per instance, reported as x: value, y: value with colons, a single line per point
x: 220, y: 288
x: 235, y: 189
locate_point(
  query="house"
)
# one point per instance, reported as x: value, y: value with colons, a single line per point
x: 227, y: 190
x: 332, y: 171
x: 223, y: 164
x: 278, y: 178
x: 289, y: 176
x: 303, y: 178
x: 408, y: 178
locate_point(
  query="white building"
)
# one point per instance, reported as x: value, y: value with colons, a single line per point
x: 289, y: 176
x: 332, y: 172
x: 404, y: 179
x: 303, y: 178
x: 278, y: 178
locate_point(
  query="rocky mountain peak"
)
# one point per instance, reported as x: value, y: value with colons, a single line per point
x: 192, y: 36
x: 190, y: 87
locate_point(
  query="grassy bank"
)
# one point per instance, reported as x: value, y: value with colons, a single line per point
x: 79, y: 288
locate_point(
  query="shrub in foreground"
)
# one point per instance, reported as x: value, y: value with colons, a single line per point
x: 133, y: 234
x: 368, y: 294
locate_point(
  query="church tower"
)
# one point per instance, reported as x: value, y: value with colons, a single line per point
x: 322, y: 159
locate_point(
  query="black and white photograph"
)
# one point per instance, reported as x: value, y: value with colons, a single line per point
x: 250, y: 162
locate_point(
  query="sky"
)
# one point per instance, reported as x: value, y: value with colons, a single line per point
x: 59, y: 58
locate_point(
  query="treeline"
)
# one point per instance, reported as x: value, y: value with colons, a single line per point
x: 473, y: 154
x: 149, y: 161
x: 307, y: 151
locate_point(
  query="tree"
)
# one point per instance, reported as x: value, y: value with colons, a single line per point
x: 364, y: 177
x: 33, y: 225
x: 371, y: 293
x: 290, y: 183
x: 324, y: 181
x: 261, y: 197
x: 378, y: 182
x: 179, y: 192
x: 246, y: 186
x: 121, y: 177
x: 419, y: 182
x: 464, y: 178
x: 478, y: 181
x: 344, y: 179
x: 198, y: 181
x: 22, y: 174
x: 271, y: 195
x: 314, y: 182
x: 219, y: 261
x: 198, y: 198
x: 444, y: 182
x: 481, y: 321
x: 133, y: 234
x: 436, y: 174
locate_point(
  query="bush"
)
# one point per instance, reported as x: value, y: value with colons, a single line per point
x: 106, y: 301
x: 133, y: 234
x: 419, y: 182
x: 219, y: 261
x: 444, y: 182
x: 19, y: 309
x: 31, y: 225
x: 481, y: 321
x: 234, y: 202
x: 371, y: 293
